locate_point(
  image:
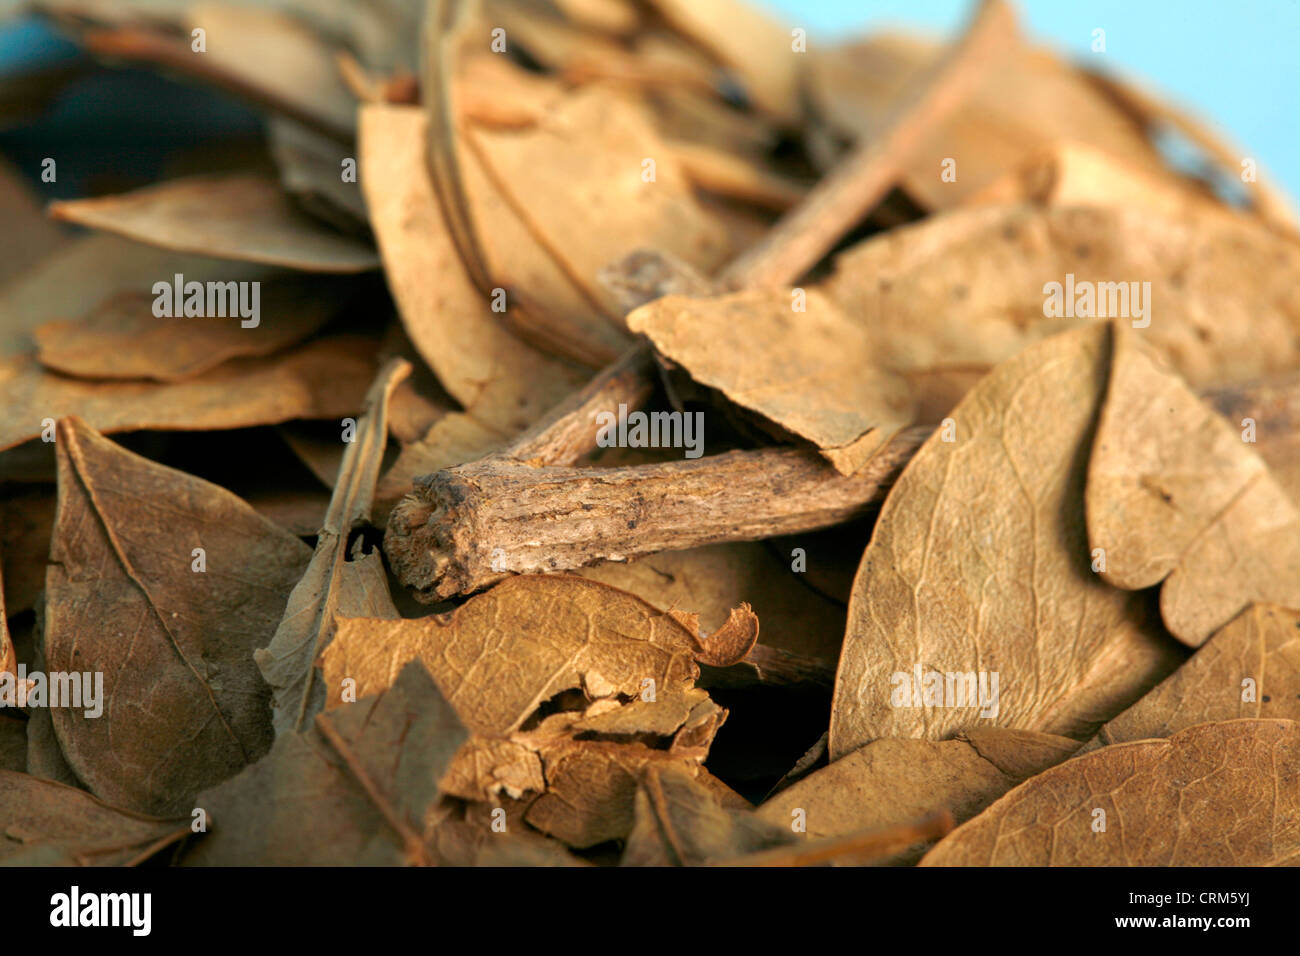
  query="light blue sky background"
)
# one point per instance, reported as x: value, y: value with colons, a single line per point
x: 1234, y: 62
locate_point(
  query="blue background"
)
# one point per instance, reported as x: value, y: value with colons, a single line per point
x: 1235, y: 63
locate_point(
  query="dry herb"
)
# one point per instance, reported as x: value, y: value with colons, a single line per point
x: 805, y: 450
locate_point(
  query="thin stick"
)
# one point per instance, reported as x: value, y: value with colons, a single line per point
x: 848, y: 193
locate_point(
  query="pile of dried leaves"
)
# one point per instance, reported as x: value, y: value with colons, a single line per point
x: 357, y: 579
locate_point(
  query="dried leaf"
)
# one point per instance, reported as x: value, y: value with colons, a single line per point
x: 503, y: 381
x: 979, y: 565
x: 965, y: 290
x: 810, y: 370
x: 242, y: 217
x: 325, y: 378
x: 891, y: 782
x: 183, y: 705
x: 504, y: 653
x: 1165, y: 803
x: 1250, y: 668
x: 354, y: 788
x: 585, y: 177
x: 680, y: 822
x: 1175, y: 494
x: 40, y: 815
x: 121, y: 338
x: 335, y: 581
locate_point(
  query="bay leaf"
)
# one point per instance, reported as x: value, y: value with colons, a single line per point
x: 183, y: 706
x: 1031, y: 100
x: 42, y: 815
x: 1176, y: 495
x: 1249, y: 668
x: 244, y: 217
x: 1165, y: 804
x: 332, y: 583
x: 354, y: 788
x: 979, y: 564
x: 712, y: 580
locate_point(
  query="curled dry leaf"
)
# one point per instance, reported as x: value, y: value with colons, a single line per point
x: 891, y: 782
x: 245, y: 217
x: 1250, y: 668
x: 502, y: 381
x: 803, y: 364
x: 578, y: 181
x: 1176, y: 495
x: 42, y: 816
x: 335, y: 581
x: 979, y: 565
x: 356, y: 787
x: 130, y: 596
x: 1165, y: 803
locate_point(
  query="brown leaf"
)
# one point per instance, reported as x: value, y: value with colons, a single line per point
x: 183, y: 704
x: 579, y: 175
x: 121, y: 338
x: 713, y: 580
x: 354, y: 788
x: 325, y: 378
x: 812, y: 371
x: 504, y: 382
x: 965, y: 290
x: 1031, y: 100
x: 505, y: 652
x: 1221, y: 794
x: 242, y: 217
x: 1175, y: 495
x: 1260, y: 645
x: 891, y: 782
x: 335, y: 581
x: 13, y: 743
x: 680, y: 822
x: 39, y: 815
x: 979, y: 565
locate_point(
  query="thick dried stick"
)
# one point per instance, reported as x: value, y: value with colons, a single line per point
x: 469, y: 526
x: 848, y: 193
